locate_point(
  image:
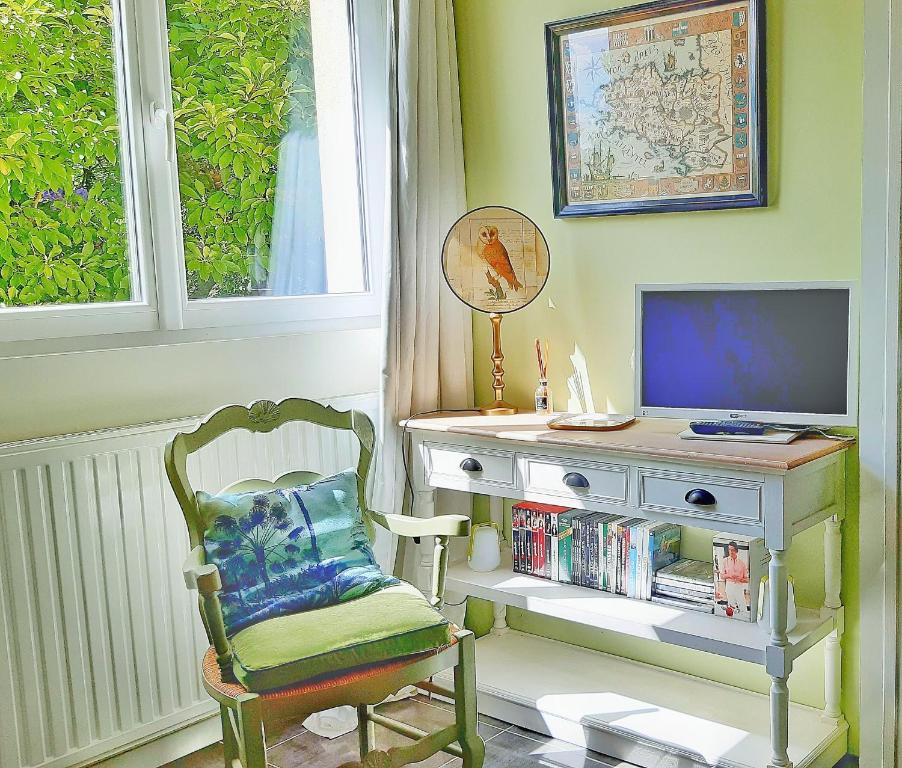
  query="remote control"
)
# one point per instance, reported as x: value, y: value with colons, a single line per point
x: 727, y: 428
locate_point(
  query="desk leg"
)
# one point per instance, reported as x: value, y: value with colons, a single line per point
x: 833, y: 676
x: 496, y: 512
x: 833, y: 602
x: 778, y: 670
x: 424, y: 506
x: 832, y: 563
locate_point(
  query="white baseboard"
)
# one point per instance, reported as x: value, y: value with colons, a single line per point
x: 172, y: 746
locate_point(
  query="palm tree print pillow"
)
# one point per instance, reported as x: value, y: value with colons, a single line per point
x: 288, y: 550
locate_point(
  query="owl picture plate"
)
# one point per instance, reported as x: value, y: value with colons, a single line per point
x: 495, y: 259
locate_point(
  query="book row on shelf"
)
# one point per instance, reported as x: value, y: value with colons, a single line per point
x: 637, y: 558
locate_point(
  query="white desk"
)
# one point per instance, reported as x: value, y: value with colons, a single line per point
x: 638, y: 713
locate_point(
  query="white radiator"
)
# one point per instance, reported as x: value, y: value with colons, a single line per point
x: 94, y: 657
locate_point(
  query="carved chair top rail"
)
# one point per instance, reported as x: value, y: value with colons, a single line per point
x: 262, y: 416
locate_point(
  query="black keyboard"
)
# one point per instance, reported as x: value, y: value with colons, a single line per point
x: 727, y: 427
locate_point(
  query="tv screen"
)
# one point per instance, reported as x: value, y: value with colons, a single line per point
x: 775, y: 351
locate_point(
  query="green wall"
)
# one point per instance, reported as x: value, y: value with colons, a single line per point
x: 811, y: 230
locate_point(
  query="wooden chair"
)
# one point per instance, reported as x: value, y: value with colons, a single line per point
x: 244, y: 712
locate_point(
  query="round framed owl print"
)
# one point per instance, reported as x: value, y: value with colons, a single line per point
x: 495, y: 259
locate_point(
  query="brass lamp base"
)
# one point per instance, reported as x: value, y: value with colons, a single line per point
x: 498, y: 408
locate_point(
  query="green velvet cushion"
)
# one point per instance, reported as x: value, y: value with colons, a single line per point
x: 389, y: 624
x: 284, y: 550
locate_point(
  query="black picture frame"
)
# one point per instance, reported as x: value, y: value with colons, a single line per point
x: 754, y: 128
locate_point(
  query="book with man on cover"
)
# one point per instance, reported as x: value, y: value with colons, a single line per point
x: 739, y: 564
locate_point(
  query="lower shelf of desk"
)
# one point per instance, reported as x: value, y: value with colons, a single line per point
x: 637, y: 618
x: 637, y: 713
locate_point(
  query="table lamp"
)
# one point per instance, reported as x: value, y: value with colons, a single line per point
x: 496, y: 261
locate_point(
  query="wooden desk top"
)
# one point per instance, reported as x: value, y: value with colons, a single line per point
x: 658, y: 438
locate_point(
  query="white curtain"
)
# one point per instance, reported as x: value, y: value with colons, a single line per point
x: 427, y: 349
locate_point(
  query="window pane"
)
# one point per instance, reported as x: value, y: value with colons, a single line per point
x: 265, y: 124
x: 63, y: 228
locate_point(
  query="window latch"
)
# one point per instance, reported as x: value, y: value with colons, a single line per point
x: 163, y: 120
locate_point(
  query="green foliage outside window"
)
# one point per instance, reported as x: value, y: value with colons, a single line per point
x: 241, y: 71
x: 62, y: 220
x: 242, y: 74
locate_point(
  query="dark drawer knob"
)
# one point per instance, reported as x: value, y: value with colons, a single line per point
x: 575, y: 480
x: 701, y: 497
x: 471, y: 465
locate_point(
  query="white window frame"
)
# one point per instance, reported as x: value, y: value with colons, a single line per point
x: 38, y: 322
x: 148, y: 156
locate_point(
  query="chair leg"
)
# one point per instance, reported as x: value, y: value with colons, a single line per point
x: 471, y: 743
x: 252, y: 748
x: 366, y: 730
x: 229, y: 739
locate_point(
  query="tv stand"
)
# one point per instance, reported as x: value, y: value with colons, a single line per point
x: 632, y: 711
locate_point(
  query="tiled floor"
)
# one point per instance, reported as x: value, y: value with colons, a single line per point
x: 507, y: 745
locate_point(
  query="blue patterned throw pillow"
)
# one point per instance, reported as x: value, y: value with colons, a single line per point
x: 288, y: 550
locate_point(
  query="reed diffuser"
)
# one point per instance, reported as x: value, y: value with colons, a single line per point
x: 544, y: 404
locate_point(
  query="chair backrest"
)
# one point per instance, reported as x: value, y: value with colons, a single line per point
x: 264, y: 416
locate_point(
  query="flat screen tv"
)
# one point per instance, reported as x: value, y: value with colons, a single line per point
x: 780, y: 353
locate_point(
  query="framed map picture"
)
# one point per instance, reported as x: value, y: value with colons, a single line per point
x: 658, y: 107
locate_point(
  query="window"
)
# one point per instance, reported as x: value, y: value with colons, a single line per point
x: 63, y: 216
x: 248, y: 83
x: 192, y: 165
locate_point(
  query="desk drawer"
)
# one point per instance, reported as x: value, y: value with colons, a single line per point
x: 466, y: 468
x: 576, y: 479
x: 710, y: 497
